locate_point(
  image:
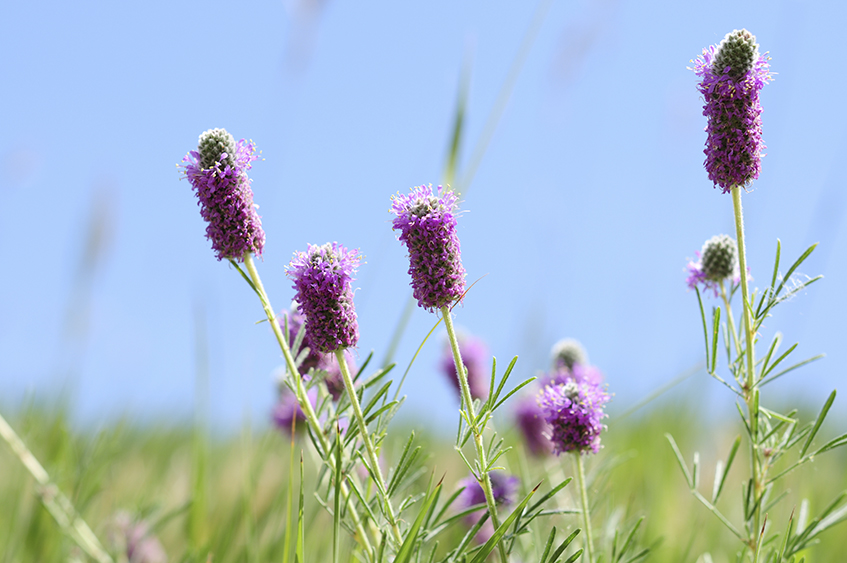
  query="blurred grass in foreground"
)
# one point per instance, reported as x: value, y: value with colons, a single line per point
x: 239, y: 508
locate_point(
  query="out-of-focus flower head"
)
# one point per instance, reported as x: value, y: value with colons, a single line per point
x: 288, y: 408
x: 323, y: 278
x: 132, y: 537
x: 731, y: 76
x: 716, y: 262
x: 567, y: 353
x: 217, y: 171
x: 534, y: 428
x: 503, y: 486
x: 475, y: 357
x: 427, y: 224
x: 574, y: 410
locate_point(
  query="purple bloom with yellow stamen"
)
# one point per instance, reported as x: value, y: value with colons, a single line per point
x: 426, y: 220
x: 574, y: 411
x: 323, y: 278
x: 217, y: 171
x: 732, y: 74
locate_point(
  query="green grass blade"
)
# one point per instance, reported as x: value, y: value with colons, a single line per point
x: 407, y: 549
x: 498, y: 534
x: 818, y: 423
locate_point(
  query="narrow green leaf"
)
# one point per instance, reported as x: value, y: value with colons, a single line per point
x: 730, y: 458
x: 794, y: 266
x: 336, y: 513
x: 792, y: 368
x: 832, y: 444
x: 629, y: 539
x: 406, y: 550
x: 513, y: 391
x: 716, y: 324
x: 549, y: 544
x: 498, y: 534
x: 301, y: 524
x: 550, y: 494
x: 689, y: 481
x: 574, y: 557
x: 565, y: 544
x: 818, y: 423
x: 705, y: 328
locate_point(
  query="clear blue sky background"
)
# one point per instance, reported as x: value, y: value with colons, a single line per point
x: 583, y: 211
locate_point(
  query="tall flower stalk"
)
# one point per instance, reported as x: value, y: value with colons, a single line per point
x: 426, y: 219
x: 323, y: 278
x: 217, y: 171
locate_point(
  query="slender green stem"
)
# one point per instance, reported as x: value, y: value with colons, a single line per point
x: 56, y: 503
x: 730, y: 319
x: 300, y: 390
x: 467, y: 399
x: 750, y: 392
x: 373, y: 459
x: 583, y: 499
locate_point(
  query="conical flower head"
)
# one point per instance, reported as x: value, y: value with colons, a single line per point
x: 427, y: 224
x: 217, y: 171
x: 567, y: 353
x: 323, y: 278
x: 732, y: 74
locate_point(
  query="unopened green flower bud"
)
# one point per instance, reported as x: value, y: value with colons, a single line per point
x: 719, y: 257
x: 567, y: 353
x: 738, y: 51
x: 213, y: 143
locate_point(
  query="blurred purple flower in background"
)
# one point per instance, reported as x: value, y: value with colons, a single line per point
x: 217, y: 171
x: 573, y: 410
x: 732, y: 74
x: 323, y: 278
x: 288, y: 408
x: 427, y: 224
x: 534, y: 428
x: 475, y: 358
x: 132, y: 538
x: 503, y: 486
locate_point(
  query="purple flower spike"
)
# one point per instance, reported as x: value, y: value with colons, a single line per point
x: 475, y: 357
x: 323, y: 278
x: 427, y: 224
x: 535, y: 429
x: 574, y: 411
x: 732, y: 74
x: 217, y: 171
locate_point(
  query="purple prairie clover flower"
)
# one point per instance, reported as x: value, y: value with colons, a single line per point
x: 534, y: 428
x: 574, y: 411
x: 288, y: 408
x: 581, y: 373
x: 426, y: 220
x: 731, y: 76
x: 133, y: 539
x: 217, y: 171
x: 475, y: 357
x: 504, y: 488
x: 323, y: 278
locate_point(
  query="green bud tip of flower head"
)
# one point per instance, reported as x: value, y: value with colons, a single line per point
x: 719, y: 257
x: 739, y: 51
x: 213, y: 143
x: 568, y: 352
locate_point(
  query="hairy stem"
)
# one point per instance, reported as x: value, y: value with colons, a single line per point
x: 300, y: 390
x: 583, y: 500
x: 369, y: 447
x: 467, y: 399
x: 750, y: 392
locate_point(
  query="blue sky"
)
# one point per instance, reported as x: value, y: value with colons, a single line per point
x: 579, y: 219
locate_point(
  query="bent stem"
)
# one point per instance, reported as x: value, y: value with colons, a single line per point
x: 467, y: 399
x: 56, y: 503
x: 751, y: 394
x: 300, y: 390
x: 583, y: 499
x: 369, y: 447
